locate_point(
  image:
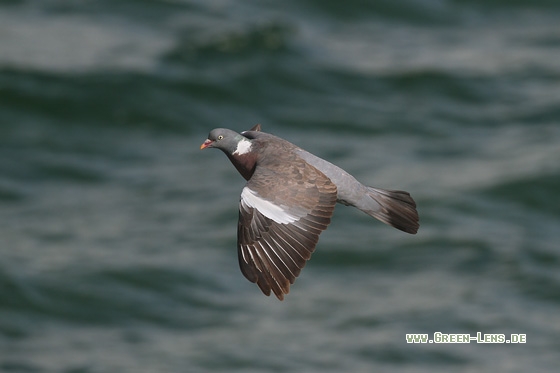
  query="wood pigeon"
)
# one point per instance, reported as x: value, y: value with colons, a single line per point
x: 288, y: 201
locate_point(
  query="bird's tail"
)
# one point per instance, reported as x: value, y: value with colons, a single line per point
x: 397, y: 208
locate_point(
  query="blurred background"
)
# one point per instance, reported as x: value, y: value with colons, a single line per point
x: 118, y: 235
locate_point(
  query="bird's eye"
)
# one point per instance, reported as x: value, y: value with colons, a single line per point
x: 220, y: 137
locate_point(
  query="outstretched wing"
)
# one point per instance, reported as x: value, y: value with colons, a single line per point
x: 282, y: 211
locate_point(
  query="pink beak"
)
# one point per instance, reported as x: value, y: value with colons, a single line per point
x: 206, y: 144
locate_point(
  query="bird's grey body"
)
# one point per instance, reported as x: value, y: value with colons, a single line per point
x: 288, y: 201
x: 349, y: 189
x: 351, y: 192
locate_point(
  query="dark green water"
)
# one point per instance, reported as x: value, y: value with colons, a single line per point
x: 117, y: 234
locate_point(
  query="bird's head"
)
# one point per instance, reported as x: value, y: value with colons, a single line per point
x: 228, y: 141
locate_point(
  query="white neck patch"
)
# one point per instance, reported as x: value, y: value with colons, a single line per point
x: 251, y: 199
x: 243, y: 147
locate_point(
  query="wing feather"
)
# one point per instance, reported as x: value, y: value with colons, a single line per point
x: 280, y: 220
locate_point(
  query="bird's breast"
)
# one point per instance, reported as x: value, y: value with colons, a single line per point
x: 244, y: 163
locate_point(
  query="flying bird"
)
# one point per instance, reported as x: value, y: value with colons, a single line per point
x: 289, y: 200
